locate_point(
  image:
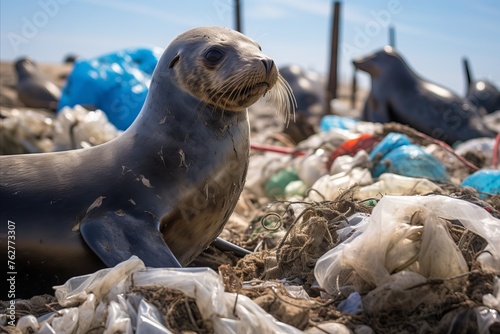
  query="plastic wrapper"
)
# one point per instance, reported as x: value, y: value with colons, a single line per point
x: 393, y: 184
x: 118, y: 310
x: 484, y: 181
x: 332, y: 186
x: 116, y: 83
x: 407, y: 233
x: 80, y: 128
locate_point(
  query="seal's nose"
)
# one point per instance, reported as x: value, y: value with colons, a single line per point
x: 268, y: 65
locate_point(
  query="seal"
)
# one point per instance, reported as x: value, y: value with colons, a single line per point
x: 164, y: 189
x: 34, y: 89
x: 484, y: 94
x: 399, y: 95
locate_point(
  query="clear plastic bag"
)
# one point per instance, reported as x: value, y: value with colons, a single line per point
x: 106, y: 296
x: 372, y: 256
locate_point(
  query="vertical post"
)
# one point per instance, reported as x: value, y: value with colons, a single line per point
x: 237, y: 14
x: 331, y: 91
x: 354, y: 88
x: 468, y: 75
x: 392, y: 37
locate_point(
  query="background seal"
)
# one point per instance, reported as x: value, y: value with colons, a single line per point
x: 34, y: 88
x: 399, y: 95
x: 164, y: 189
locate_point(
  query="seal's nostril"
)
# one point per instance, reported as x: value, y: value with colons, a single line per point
x: 268, y: 64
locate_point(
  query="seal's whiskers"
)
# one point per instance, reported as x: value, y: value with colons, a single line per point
x: 281, y: 97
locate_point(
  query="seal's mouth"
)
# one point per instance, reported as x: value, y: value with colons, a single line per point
x: 258, y: 88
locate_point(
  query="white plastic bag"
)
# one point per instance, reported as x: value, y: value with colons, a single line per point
x: 332, y: 186
x: 367, y: 256
x: 393, y: 184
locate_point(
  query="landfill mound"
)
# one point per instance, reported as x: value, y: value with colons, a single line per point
x: 361, y: 228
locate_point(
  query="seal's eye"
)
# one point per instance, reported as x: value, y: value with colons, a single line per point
x: 213, y: 56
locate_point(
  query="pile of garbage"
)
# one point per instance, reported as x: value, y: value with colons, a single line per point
x: 360, y: 228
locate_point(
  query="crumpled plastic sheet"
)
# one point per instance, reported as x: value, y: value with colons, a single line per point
x: 387, y: 240
x: 78, y: 127
x: 102, y: 298
x: 332, y: 186
x: 393, y: 184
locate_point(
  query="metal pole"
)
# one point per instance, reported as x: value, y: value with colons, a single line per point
x: 331, y: 92
x: 392, y: 36
x: 237, y: 13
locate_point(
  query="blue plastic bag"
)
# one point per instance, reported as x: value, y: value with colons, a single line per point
x: 484, y: 180
x: 336, y: 122
x: 116, y: 83
x: 391, y: 141
x: 398, y: 156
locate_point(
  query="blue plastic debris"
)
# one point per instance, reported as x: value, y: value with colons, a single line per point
x: 395, y: 154
x: 336, y: 122
x: 116, y: 83
x: 484, y: 180
x: 351, y: 305
x: 391, y: 141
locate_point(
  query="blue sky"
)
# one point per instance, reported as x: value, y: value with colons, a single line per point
x: 432, y: 35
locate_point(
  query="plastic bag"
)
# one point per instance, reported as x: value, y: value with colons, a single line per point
x: 331, y: 186
x: 395, y: 154
x: 393, y: 184
x: 410, y: 160
x: 484, y: 180
x: 352, y: 146
x: 329, y: 122
x: 80, y: 128
x: 116, y: 83
x: 372, y: 256
x: 121, y: 311
x: 390, y: 142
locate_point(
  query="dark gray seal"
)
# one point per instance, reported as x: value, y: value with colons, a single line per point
x: 164, y: 189
x: 399, y: 95
x: 34, y: 88
x: 484, y: 94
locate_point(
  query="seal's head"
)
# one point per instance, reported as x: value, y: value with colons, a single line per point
x: 378, y: 62
x: 226, y: 70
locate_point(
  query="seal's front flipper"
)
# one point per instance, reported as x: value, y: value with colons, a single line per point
x: 226, y: 246
x: 115, y: 237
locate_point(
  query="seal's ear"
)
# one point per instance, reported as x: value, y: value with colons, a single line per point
x: 173, y: 61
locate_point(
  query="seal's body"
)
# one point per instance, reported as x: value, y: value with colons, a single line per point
x: 34, y: 89
x: 399, y: 95
x: 163, y: 190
